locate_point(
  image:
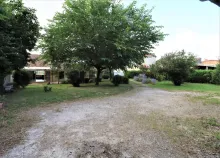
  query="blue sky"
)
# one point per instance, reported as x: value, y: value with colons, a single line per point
x: 192, y: 25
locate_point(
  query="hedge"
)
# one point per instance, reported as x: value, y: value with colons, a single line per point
x: 131, y: 74
x: 200, y: 76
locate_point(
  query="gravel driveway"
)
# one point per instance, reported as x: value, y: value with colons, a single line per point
x: 104, y: 127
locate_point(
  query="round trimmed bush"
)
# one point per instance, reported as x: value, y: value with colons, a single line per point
x: 74, y: 78
x: 116, y: 80
x: 22, y: 78
x: 105, y: 76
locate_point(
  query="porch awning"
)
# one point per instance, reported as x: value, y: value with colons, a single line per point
x: 37, y: 68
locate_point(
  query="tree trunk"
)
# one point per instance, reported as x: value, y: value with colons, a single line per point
x: 110, y: 73
x: 98, y: 76
x: 1, y: 84
x: 58, y: 80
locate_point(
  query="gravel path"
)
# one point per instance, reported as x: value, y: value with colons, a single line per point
x: 102, y: 128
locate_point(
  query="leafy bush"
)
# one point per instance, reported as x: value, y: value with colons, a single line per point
x: 100, y: 79
x: 2, y: 98
x: 22, y: 78
x: 47, y: 89
x: 216, y: 75
x: 116, y: 80
x: 131, y: 74
x: 86, y: 80
x: 149, y: 74
x: 105, y: 76
x: 65, y: 82
x: 159, y: 77
x: 124, y: 80
x: 74, y: 79
x: 177, y: 65
x: 200, y: 76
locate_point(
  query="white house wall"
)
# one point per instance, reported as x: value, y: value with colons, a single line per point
x: 149, y: 61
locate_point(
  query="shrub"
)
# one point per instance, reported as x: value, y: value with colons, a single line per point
x: 65, y: 82
x: 160, y: 77
x: 131, y: 74
x: 105, y: 76
x: 150, y: 74
x: 74, y: 79
x: 200, y: 76
x: 177, y: 65
x: 47, y: 89
x: 22, y: 78
x: 100, y: 79
x: 116, y: 80
x: 86, y: 80
x: 216, y: 75
x: 124, y: 80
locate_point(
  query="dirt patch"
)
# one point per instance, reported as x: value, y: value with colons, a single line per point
x: 117, y: 126
x: 97, y: 150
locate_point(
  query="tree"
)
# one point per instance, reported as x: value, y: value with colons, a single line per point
x: 19, y: 31
x: 102, y: 34
x: 217, y: 2
x: 177, y: 65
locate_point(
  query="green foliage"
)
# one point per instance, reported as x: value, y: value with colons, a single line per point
x: 105, y: 76
x: 132, y: 73
x: 101, y: 34
x: 116, y: 80
x: 2, y: 98
x: 100, y: 79
x: 124, y: 80
x: 216, y: 75
x: 177, y: 65
x: 47, y: 89
x: 65, y: 82
x: 160, y: 77
x: 19, y: 31
x: 74, y: 79
x: 213, y: 122
x: 200, y: 76
x: 217, y: 136
x: 22, y: 78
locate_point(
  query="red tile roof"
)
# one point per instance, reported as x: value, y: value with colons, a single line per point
x: 210, y: 62
x: 36, y: 61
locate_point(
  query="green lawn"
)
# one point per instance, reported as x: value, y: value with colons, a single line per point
x: 168, y: 85
x: 210, y: 92
x: 33, y: 95
x: 14, y: 119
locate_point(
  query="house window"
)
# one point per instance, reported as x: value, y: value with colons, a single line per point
x: 39, y: 75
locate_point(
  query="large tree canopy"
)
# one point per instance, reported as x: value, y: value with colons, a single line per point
x: 101, y: 33
x: 19, y: 31
x: 217, y: 2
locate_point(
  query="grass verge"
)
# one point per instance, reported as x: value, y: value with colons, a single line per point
x: 14, y: 119
x: 210, y: 92
x: 189, y: 134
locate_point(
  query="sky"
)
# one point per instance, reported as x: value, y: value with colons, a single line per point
x: 191, y: 25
